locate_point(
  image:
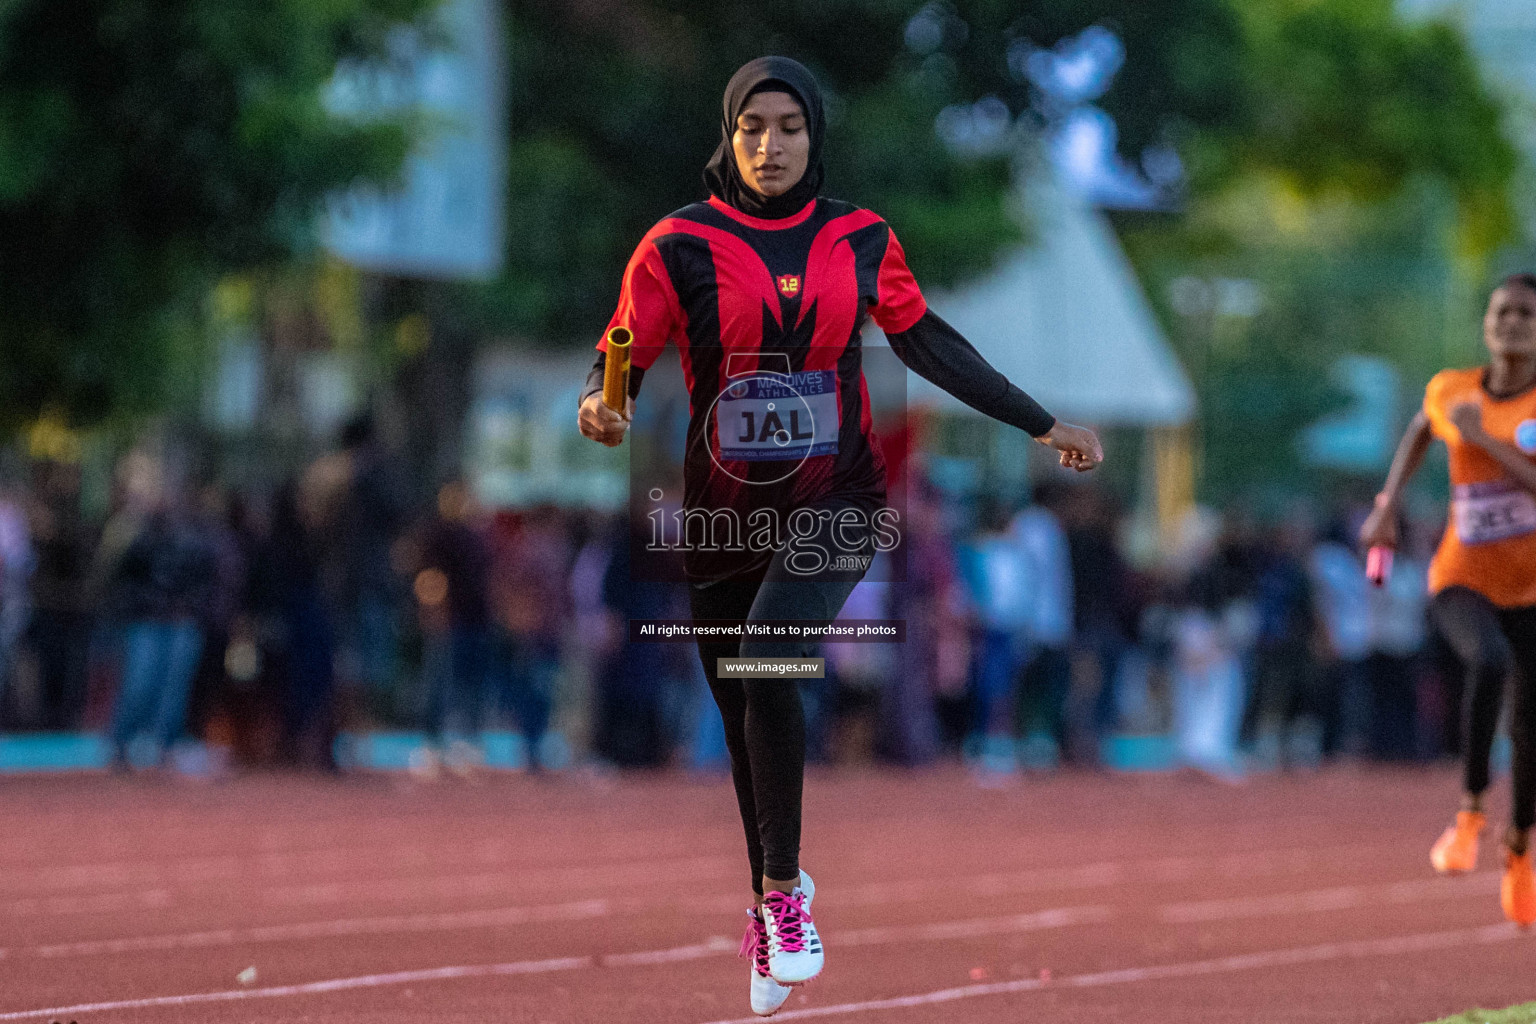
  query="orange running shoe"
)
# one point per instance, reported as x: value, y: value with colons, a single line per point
x: 1456, y: 851
x: 1518, y: 893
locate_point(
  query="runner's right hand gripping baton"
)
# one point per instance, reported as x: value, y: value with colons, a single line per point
x: 616, y: 370
x: 1378, y: 564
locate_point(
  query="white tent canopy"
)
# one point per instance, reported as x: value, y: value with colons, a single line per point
x: 1066, y: 320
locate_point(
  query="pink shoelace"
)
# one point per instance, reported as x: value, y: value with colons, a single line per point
x: 754, y: 944
x: 790, y: 913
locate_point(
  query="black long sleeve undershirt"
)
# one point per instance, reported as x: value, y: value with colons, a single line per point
x: 599, y: 370
x: 937, y: 352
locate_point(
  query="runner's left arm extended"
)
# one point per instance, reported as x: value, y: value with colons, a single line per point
x: 937, y: 352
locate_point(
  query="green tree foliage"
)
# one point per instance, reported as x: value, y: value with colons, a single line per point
x: 617, y: 138
x: 1331, y: 278
x: 1524, y: 1014
x: 1349, y: 99
x: 147, y: 148
x: 1184, y: 81
x: 615, y: 108
x: 1365, y: 188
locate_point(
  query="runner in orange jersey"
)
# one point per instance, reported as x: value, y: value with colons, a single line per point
x: 1483, y: 577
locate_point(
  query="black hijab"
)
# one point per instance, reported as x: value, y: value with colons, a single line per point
x: 767, y: 74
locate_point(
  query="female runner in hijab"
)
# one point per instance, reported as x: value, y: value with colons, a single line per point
x: 764, y: 288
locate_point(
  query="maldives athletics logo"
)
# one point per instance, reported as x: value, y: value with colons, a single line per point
x: 1525, y: 437
x: 789, y: 285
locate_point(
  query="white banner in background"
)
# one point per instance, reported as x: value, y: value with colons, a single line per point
x: 447, y: 219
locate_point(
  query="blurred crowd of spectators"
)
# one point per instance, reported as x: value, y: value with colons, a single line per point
x: 265, y: 626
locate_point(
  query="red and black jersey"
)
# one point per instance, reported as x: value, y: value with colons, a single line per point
x: 766, y: 315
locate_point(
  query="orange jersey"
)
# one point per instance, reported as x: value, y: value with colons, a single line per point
x: 1490, y: 541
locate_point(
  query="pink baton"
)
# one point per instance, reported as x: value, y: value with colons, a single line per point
x: 1378, y: 564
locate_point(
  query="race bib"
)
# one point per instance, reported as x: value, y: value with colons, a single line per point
x: 1492, y: 511
x: 778, y: 417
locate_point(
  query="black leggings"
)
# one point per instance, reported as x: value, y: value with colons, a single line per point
x: 1496, y: 645
x: 764, y: 720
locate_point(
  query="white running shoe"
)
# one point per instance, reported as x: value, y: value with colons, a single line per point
x: 767, y: 994
x: 794, y: 948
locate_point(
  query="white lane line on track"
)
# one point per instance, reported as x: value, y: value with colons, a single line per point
x: 1057, y: 918
x: 1345, y: 897
x: 383, y: 890
x: 197, y: 871
x: 272, y: 857
x: 1165, y: 870
x: 105, y: 903
x: 1396, y: 945
x: 976, y: 927
x: 489, y: 883
x: 1424, y: 942
x: 208, y: 870
x: 229, y: 867
x: 332, y: 929
x: 273, y: 852
x: 1254, y: 864
x: 1341, y: 898
x: 317, y: 987
x: 478, y: 919
x: 1203, y: 911
x: 714, y: 946
x: 1064, y: 917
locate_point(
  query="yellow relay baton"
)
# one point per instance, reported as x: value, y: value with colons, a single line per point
x: 616, y: 370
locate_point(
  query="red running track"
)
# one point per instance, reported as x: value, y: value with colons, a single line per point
x: 1156, y: 899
